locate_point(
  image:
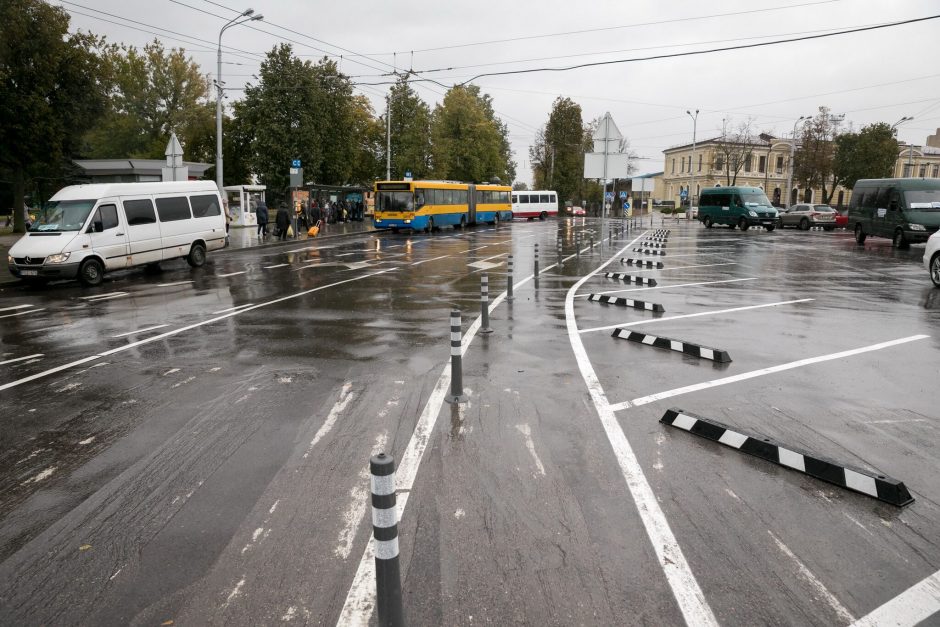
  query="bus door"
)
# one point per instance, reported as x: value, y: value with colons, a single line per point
x: 472, y: 204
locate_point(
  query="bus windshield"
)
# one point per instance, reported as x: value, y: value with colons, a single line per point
x: 395, y: 201
x: 64, y: 215
x: 928, y: 199
x: 755, y: 199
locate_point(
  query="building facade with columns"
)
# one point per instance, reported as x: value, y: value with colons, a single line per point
x: 768, y: 167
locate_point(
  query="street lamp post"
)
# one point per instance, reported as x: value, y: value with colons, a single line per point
x: 246, y: 16
x: 792, y: 152
x: 688, y: 214
x: 910, y: 155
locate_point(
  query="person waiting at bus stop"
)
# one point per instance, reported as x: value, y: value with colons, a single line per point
x: 261, y: 212
x: 282, y: 221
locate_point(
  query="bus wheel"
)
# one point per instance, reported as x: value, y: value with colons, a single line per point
x: 463, y: 222
x: 743, y: 225
x: 708, y: 222
x: 859, y: 233
x: 430, y: 226
x: 496, y: 220
x: 197, y: 256
x: 900, y: 242
x: 91, y: 273
x: 543, y: 215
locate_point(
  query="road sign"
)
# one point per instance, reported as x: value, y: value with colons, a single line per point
x: 609, y: 196
x: 683, y: 194
x: 623, y: 196
x: 626, y: 205
x: 607, y: 206
x: 295, y: 163
x: 407, y: 175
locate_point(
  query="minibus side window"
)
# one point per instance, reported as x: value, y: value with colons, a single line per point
x: 205, y: 205
x: 894, y: 200
x: 139, y: 212
x: 105, y: 218
x: 173, y: 208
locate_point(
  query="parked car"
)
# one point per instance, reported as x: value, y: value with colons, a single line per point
x: 743, y: 207
x: 577, y: 211
x: 932, y: 258
x: 803, y: 216
x: 842, y: 219
x: 905, y: 210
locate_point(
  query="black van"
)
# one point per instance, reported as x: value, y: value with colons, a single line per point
x: 906, y: 210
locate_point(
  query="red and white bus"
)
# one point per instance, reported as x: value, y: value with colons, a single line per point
x: 534, y: 204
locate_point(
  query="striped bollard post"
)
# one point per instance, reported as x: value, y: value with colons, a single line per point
x: 577, y: 246
x: 385, y: 533
x: 536, y: 262
x: 456, y: 362
x: 610, y: 236
x: 592, y: 242
x: 509, y: 281
x: 485, y: 303
x: 558, y: 246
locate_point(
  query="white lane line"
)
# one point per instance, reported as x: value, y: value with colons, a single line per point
x: 15, y: 307
x: 159, y: 326
x: 277, y: 265
x: 666, y: 287
x: 494, y: 256
x: 344, y: 398
x: 108, y: 297
x: 161, y: 336
x: 695, y: 315
x: 358, y: 504
x: 360, y: 600
x: 701, y: 265
x: 685, y: 588
x: 418, y: 263
x: 844, y: 615
x: 13, y: 361
x: 643, y: 400
x: 232, y: 309
x: 346, y: 254
x: 909, y: 608
x: 231, y: 274
x: 99, y: 296
x: 526, y: 432
x: 173, y: 284
x: 23, y: 313
x: 478, y: 248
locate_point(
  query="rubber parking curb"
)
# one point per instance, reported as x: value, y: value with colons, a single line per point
x: 661, y: 232
x: 864, y: 482
x: 641, y: 262
x: 631, y: 278
x: 648, y: 244
x: 625, y: 302
x: 687, y: 348
x: 647, y: 251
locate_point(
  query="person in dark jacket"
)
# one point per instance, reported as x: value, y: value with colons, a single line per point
x: 282, y: 220
x: 262, y: 214
x: 315, y: 213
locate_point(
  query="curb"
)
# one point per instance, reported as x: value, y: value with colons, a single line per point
x: 647, y: 251
x: 641, y: 262
x: 651, y: 244
x: 687, y: 348
x: 862, y: 481
x: 630, y: 278
x: 291, y: 242
x: 625, y: 302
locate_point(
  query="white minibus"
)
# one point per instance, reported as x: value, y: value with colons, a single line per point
x: 534, y: 204
x: 87, y: 230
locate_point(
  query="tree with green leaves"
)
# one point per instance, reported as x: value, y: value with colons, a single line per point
x: 368, y: 143
x: 50, y: 92
x: 468, y: 141
x: 153, y: 93
x: 410, y: 132
x: 868, y: 154
x: 813, y: 161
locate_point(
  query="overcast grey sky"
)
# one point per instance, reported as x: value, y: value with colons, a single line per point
x: 873, y: 76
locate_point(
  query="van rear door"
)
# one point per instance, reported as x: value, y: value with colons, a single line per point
x: 107, y: 232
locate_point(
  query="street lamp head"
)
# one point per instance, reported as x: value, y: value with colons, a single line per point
x: 257, y: 17
x: 248, y: 12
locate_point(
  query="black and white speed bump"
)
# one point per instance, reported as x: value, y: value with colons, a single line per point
x: 865, y: 482
x: 652, y: 244
x: 631, y: 278
x: 641, y: 262
x: 687, y: 348
x: 625, y: 302
x: 647, y: 251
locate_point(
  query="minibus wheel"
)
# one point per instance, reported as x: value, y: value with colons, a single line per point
x: 197, y: 255
x: 91, y: 272
x: 743, y: 225
x: 900, y: 242
x: 708, y: 222
x: 859, y: 234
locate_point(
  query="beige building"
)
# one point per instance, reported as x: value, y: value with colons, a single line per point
x: 765, y: 164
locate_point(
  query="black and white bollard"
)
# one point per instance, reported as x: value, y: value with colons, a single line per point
x: 592, y: 242
x: 385, y: 533
x: 509, y: 280
x: 485, y: 303
x: 610, y: 236
x: 577, y: 246
x: 558, y: 246
x: 536, y: 274
x: 456, y: 361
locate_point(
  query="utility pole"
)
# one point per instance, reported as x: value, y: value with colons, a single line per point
x: 790, y: 165
x: 388, y: 137
x: 688, y: 215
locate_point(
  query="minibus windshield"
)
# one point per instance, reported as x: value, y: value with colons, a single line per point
x: 63, y: 215
x: 922, y: 199
x: 755, y: 199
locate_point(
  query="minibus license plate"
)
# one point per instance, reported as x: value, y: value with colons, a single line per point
x: 29, y: 272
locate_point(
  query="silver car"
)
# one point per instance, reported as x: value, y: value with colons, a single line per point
x: 804, y: 216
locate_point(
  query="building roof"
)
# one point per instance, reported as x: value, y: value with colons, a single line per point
x: 151, y: 167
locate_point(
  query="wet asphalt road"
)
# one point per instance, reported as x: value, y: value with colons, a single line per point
x: 193, y: 445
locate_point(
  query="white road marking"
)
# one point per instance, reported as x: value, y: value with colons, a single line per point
x: 173, y: 284
x: 695, y: 315
x: 844, y: 614
x: 45, y: 474
x: 764, y: 371
x: 526, y: 432
x: 234, y: 593
x: 483, y: 265
x: 12, y: 361
x: 418, y: 263
x: 666, y: 287
x: 159, y: 326
x: 338, y: 407
x: 87, y: 441
x: 23, y: 313
x: 701, y: 265
x: 685, y: 588
x: 359, y: 502
x: 909, y: 608
x: 108, y: 297
x: 184, y: 382
x: 103, y: 296
x: 231, y: 274
x: 15, y: 307
x: 171, y: 371
x: 893, y: 422
x: 161, y: 336
x: 232, y: 309
x: 277, y: 265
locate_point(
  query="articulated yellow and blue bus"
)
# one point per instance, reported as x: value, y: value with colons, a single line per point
x: 426, y: 205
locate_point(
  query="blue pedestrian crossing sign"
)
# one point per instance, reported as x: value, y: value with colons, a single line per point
x: 623, y: 196
x: 609, y: 196
x: 683, y: 194
x: 295, y: 163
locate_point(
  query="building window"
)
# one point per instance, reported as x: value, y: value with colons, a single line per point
x: 747, y: 163
x: 936, y: 171
x: 720, y: 162
x: 673, y: 166
x: 761, y: 164
x: 779, y: 164
x: 700, y: 164
x: 793, y: 196
x: 923, y: 170
x: 807, y: 195
x: 907, y: 170
x: 841, y: 198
